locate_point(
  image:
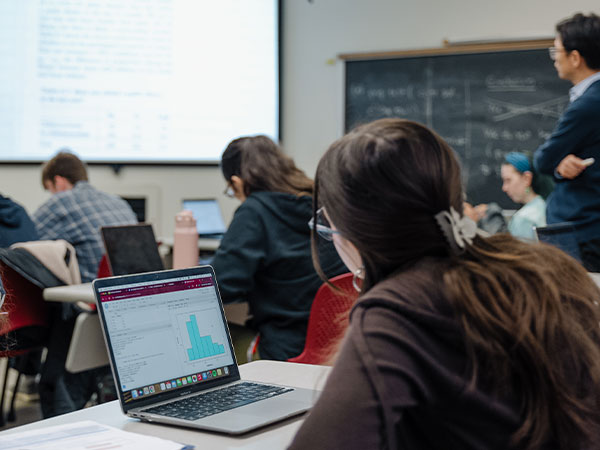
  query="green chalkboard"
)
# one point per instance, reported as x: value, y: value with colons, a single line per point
x: 485, y: 104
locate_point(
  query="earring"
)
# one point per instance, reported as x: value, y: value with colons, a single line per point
x: 358, y: 274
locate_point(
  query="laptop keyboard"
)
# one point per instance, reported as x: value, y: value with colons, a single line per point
x: 214, y: 402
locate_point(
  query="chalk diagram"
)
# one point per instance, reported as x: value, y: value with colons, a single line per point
x: 507, y: 110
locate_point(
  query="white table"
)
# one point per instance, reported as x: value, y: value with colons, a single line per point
x: 236, y: 313
x: 276, y: 436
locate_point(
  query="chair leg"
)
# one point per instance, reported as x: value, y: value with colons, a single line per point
x: 22, y: 362
x: 2, y: 421
x: 12, y: 415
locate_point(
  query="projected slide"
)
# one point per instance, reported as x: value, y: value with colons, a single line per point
x: 136, y: 80
x: 202, y: 346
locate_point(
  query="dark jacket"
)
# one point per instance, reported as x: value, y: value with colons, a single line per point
x: 402, y: 377
x: 265, y: 259
x: 577, y: 133
x: 15, y: 224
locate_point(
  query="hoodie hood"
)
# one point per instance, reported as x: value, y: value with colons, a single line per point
x: 15, y: 224
x: 292, y: 210
x: 11, y: 214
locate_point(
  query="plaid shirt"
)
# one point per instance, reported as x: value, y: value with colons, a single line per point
x: 76, y: 216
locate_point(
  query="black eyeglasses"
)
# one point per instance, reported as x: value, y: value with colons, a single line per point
x: 323, y: 227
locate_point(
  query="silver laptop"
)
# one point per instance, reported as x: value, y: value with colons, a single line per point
x: 209, y: 220
x: 172, y: 357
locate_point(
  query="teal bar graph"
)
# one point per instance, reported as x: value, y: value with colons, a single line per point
x: 202, y: 346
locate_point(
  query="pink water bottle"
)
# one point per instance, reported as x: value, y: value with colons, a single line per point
x: 185, y: 241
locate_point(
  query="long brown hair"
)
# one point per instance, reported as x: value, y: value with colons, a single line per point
x: 261, y: 164
x: 527, y: 311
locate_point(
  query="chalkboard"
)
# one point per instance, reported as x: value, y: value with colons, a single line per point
x: 483, y: 104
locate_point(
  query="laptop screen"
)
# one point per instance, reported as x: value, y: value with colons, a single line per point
x: 165, y: 335
x: 131, y: 249
x: 207, y: 213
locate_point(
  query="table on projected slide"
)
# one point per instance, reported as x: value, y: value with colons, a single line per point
x: 277, y: 436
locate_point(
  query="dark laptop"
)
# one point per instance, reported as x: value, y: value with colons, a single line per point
x: 209, y: 220
x: 172, y: 357
x: 131, y: 249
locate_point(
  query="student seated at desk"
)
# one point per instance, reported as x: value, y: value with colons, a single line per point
x: 265, y: 257
x: 457, y: 341
x: 524, y: 186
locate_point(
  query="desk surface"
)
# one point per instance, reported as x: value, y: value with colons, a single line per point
x: 234, y: 312
x: 276, y: 436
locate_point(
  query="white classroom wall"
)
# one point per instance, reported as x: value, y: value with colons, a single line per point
x: 314, y: 33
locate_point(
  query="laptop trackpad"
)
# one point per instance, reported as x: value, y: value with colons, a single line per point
x: 245, y: 418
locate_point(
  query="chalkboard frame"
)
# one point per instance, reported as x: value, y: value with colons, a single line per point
x: 454, y: 49
x: 449, y: 49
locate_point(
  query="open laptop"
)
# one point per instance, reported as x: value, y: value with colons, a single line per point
x: 131, y: 249
x: 172, y: 357
x: 209, y: 220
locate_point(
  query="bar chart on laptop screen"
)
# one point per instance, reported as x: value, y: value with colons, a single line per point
x: 201, y: 346
x: 202, y: 335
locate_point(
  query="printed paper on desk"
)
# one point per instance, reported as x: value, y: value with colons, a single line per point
x: 85, y: 434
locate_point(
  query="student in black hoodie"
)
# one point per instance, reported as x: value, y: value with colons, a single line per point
x: 265, y: 257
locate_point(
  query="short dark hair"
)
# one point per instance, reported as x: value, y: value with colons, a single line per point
x: 263, y: 166
x: 582, y: 33
x: 64, y: 164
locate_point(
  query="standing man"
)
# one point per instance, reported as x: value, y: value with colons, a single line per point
x: 568, y: 153
x: 76, y: 211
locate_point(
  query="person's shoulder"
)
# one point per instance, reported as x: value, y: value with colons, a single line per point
x: 59, y: 198
x: 250, y: 210
x: 417, y: 291
x: 589, y: 101
x: 539, y: 202
x: 594, y: 88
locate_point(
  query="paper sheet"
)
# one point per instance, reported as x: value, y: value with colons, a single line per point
x: 84, y: 435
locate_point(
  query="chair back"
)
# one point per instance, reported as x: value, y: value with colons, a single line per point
x: 328, y: 320
x: 87, y: 349
x: 104, y: 268
x: 24, y: 302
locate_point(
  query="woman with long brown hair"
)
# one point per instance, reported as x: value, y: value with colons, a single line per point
x: 265, y: 256
x: 458, y: 341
